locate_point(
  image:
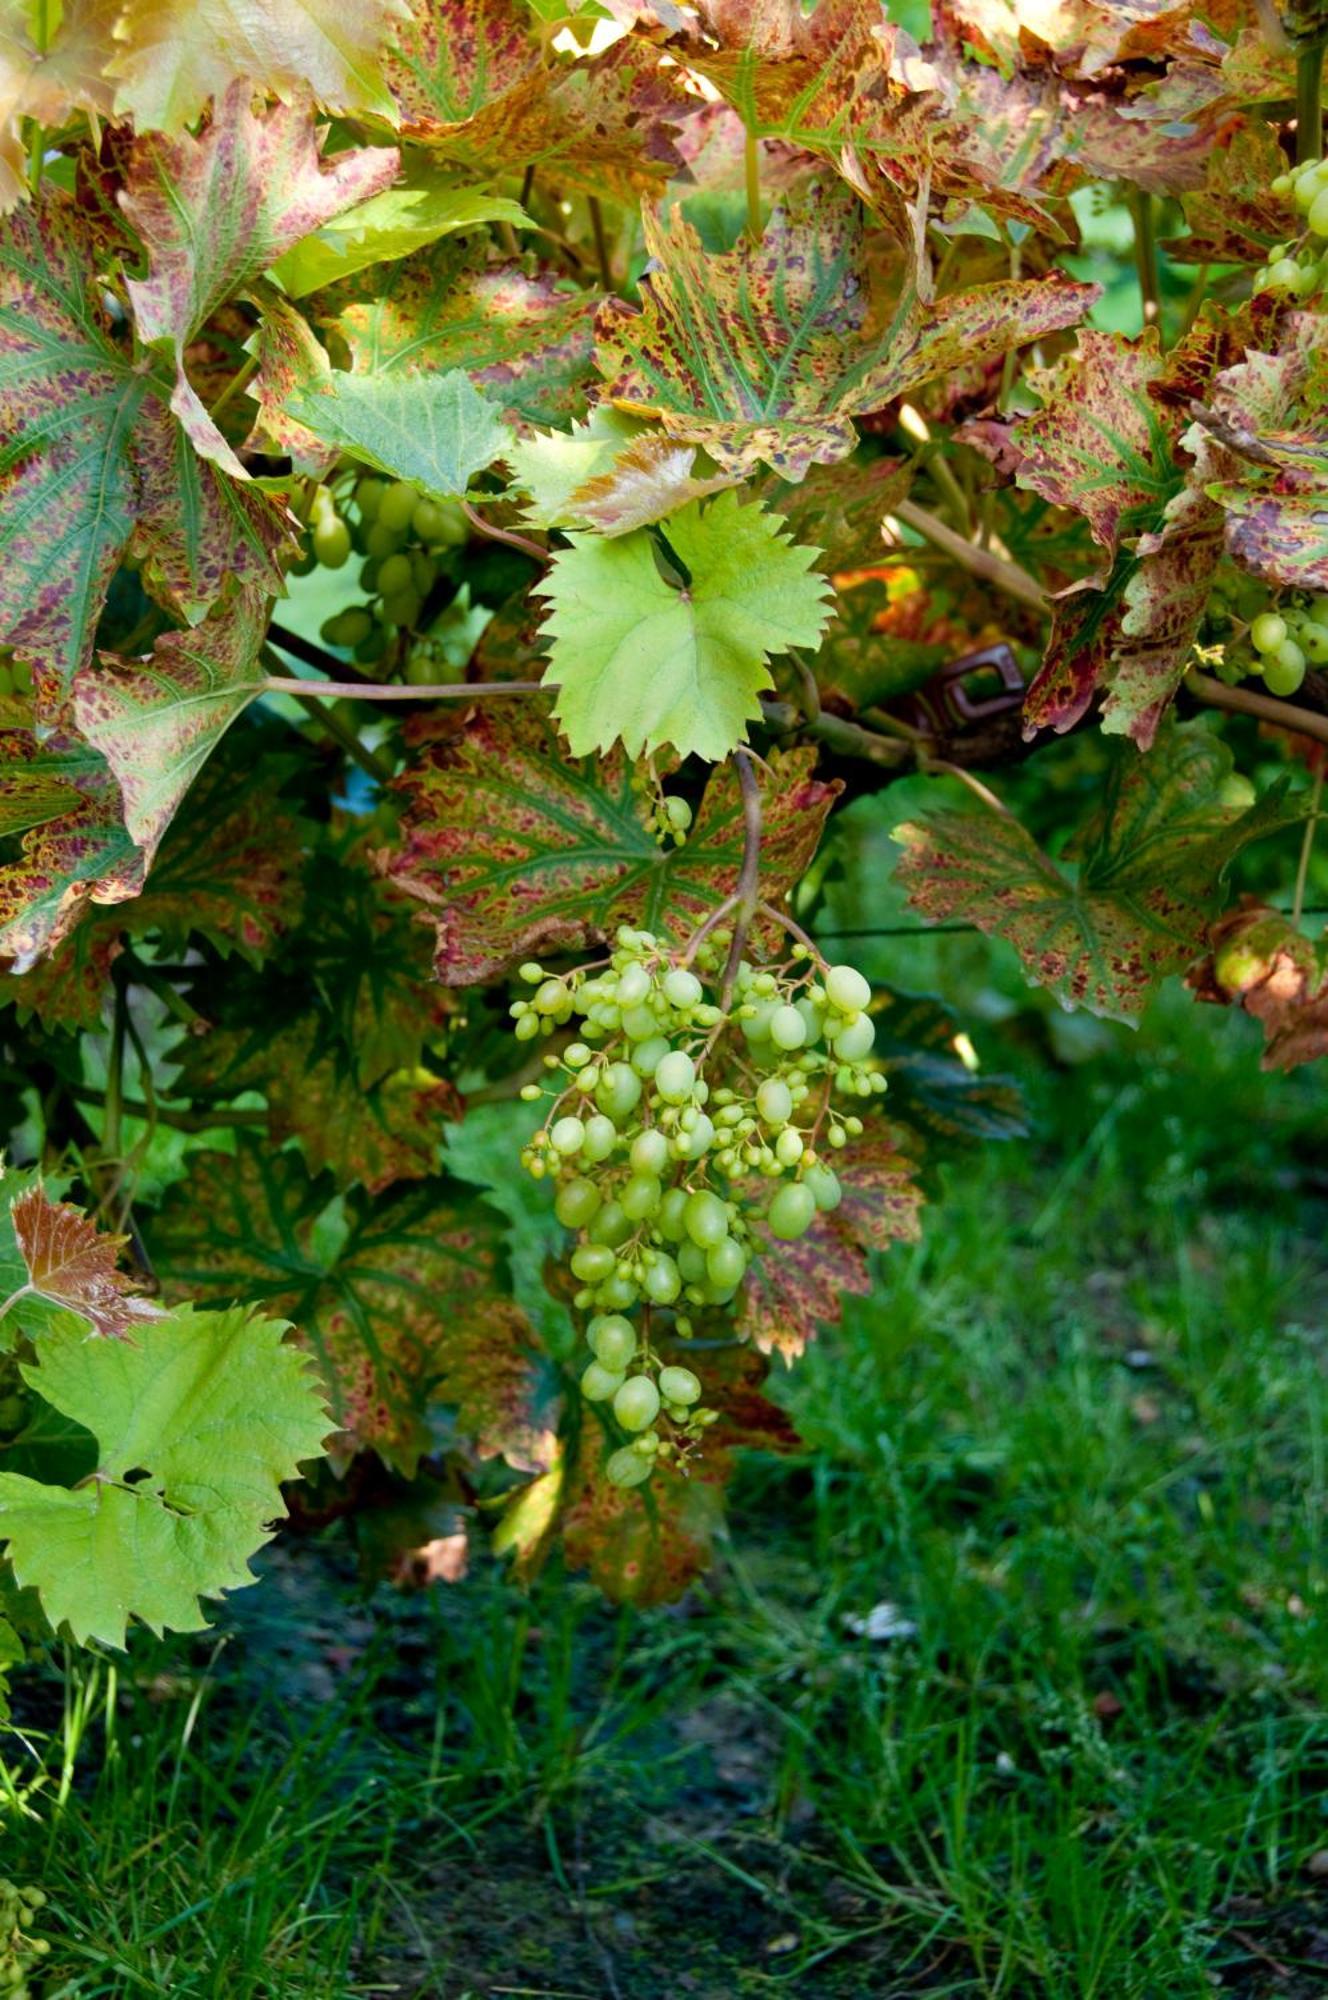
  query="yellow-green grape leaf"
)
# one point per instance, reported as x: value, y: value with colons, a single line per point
x: 437, y: 430
x: 400, y: 220
x: 644, y: 660
x: 197, y: 1422
x: 175, y: 54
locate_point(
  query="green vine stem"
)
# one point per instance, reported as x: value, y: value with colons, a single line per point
x: 1307, y: 845
x: 1309, y: 102
x: 749, y: 875
x: 1145, y: 256
x: 752, y: 164
x: 999, y: 571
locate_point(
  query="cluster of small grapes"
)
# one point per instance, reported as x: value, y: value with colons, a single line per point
x: 18, y: 1948
x: 403, y: 536
x: 666, y: 815
x: 689, y: 1108
x: 1301, y: 266
x: 1289, y: 640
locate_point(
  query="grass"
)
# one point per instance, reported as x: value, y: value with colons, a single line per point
x: 1075, y: 1440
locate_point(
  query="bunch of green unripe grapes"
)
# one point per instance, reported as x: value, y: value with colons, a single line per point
x: 1301, y: 265
x: 404, y: 536
x: 691, y: 1107
x: 1288, y: 640
x: 19, y: 1950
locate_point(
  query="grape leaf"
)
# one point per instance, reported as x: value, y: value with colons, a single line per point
x: 197, y: 1422
x: 290, y: 359
x: 436, y: 430
x: 50, y: 84
x: 637, y: 659
x: 792, y: 1288
x: 1257, y: 959
x: 640, y: 1547
x: 650, y: 479
x: 548, y: 467
x: 175, y: 54
x: 157, y: 721
x: 473, y: 83
x: 93, y: 461
x: 1235, y: 218
x: 768, y: 351
x: 931, y: 1090
x: 228, y: 870
x: 83, y: 854
x: 215, y: 211
x: 402, y: 1300
x: 1147, y: 880
x: 69, y: 1262
x: 788, y: 74
x: 422, y: 206
x: 523, y: 339
x: 514, y: 848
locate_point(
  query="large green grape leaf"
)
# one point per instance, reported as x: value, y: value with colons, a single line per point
x: 92, y: 461
x: 403, y: 1300
x: 1145, y: 881
x: 175, y: 54
x: 79, y: 855
x: 197, y: 1422
x: 649, y: 662
x: 436, y: 430
x: 514, y: 848
x: 157, y: 721
x: 767, y: 352
x: 214, y: 211
x: 525, y: 340
x: 422, y: 205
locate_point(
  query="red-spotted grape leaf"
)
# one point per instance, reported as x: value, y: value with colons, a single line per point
x: 214, y: 211
x: 644, y: 1545
x: 290, y: 360
x: 71, y: 1263
x: 365, y: 1134
x: 157, y: 721
x: 767, y: 352
x: 473, y: 84
x: 93, y: 462
x: 229, y: 870
x: 790, y: 74
x: 1260, y: 453
x: 1235, y: 218
x: 50, y: 84
x: 514, y: 848
x: 402, y: 1300
x: 653, y: 662
x: 84, y: 854
x: 1257, y: 959
x: 792, y: 1288
x: 1147, y: 876
x: 526, y: 340
x: 176, y: 54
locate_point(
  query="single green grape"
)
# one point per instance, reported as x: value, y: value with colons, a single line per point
x: 613, y: 1339
x: 598, y: 1383
x: 679, y: 1385
x: 593, y: 1262
x: 791, y: 1210
x: 788, y: 1029
x: 774, y: 1101
x: 641, y: 1196
x: 577, y: 1201
x: 661, y: 1281
x: 675, y: 1077
x: 650, y: 1152
x: 846, y: 989
x: 636, y: 1404
x: 397, y: 506
x: 1267, y: 632
x: 626, y: 1467
x: 726, y: 1265
x: 705, y: 1218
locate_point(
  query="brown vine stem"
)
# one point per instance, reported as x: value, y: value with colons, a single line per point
x: 999, y: 571
x: 493, y: 533
x: 398, y: 690
x: 1243, y: 701
x: 705, y: 930
x: 929, y: 765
